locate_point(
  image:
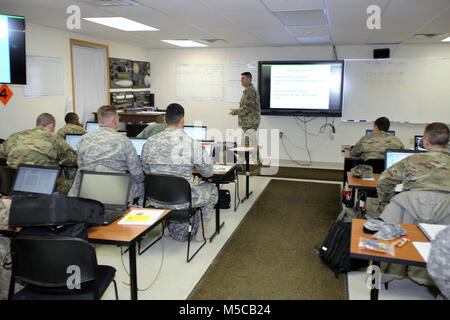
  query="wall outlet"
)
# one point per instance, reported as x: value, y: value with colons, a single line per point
x: 332, y: 137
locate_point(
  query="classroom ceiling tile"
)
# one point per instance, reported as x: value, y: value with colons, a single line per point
x: 293, y: 5
x: 302, y: 18
x: 312, y: 31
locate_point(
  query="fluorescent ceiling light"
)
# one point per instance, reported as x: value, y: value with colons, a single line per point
x: 446, y: 39
x: 122, y: 24
x: 185, y: 43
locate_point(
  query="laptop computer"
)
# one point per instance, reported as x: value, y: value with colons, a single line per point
x: 209, y: 147
x: 393, y: 156
x: 417, y: 140
x: 369, y: 131
x: 138, y: 143
x: 31, y: 179
x: 196, y: 133
x: 92, y: 126
x: 111, y: 189
x: 72, y: 140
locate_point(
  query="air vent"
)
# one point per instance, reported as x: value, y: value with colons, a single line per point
x: 213, y: 40
x: 112, y: 3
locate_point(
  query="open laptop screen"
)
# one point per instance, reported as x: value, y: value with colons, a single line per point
x: 35, y: 179
x: 138, y: 143
x: 111, y: 189
x: 368, y: 131
x: 416, y: 143
x: 72, y: 140
x: 91, y: 126
x: 196, y: 133
x: 209, y: 146
x: 394, y: 156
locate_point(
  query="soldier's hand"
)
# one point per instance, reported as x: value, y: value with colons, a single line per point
x: 231, y: 112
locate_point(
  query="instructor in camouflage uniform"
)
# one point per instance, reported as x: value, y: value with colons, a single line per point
x: 106, y: 150
x: 423, y: 171
x: 39, y: 146
x: 173, y: 152
x: 373, y: 146
x: 249, y: 114
x: 73, y: 125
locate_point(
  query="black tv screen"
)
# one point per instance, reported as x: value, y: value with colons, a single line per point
x: 301, y: 88
x: 12, y: 49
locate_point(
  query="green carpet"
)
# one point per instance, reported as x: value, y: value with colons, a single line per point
x: 304, y: 173
x: 270, y: 255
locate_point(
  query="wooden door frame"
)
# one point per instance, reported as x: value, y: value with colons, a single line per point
x: 88, y: 44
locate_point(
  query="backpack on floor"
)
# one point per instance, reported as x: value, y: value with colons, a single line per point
x: 335, y: 249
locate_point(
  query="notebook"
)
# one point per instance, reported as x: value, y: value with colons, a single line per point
x: 196, y: 133
x: 111, y: 189
x: 91, y: 126
x: 138, y: 143
x: 431, y: 230
x: 32, y: 179
x: 72, y: 140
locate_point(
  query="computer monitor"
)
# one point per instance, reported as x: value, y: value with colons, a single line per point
x: 393, y: 156
x: 138, y: 143
x: 91, y: 126
x: 209, y: 146
x: 111, y: 189
x: 369, y: 131
x: 72, y: 140
x: 196, y: 133
x: 416, y: 143
x: 35, y: 179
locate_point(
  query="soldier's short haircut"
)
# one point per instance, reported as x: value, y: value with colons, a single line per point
x: 44, y: 119
x: 247, y: 74
x: 174, y: 113
x: 70, y: 117
x: 437, y: 133
x: 383, y: 123
x: 106, y: 113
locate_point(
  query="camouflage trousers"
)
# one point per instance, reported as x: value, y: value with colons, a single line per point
x: 204, y: 196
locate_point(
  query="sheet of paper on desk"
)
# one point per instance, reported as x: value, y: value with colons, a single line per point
x: 141, y: 217
x: 217, y: 167
x: 423, y: 248
x: 369, y: 179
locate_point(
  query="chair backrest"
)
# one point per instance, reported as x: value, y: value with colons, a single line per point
x: 349, y: 163
x: 377, y: 164
x: 7, y: 177
x: 49, y: 261
x: 133, y: 129
x: 167, y: 189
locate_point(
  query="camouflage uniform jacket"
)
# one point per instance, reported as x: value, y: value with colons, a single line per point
x: 423, y: 171
x: 37, y: 147
x: 70, y: 129
x: 374, y: 145
x: 174, y: 152
x: 152, y: 129
x: 439, y: 261
x: 106, y: 150
x: 249, y: 112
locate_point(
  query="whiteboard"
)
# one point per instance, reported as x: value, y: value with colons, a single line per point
x: 405, y: 90
x: 234, y: 85
x: 45, y: 76
x: 199, y: 82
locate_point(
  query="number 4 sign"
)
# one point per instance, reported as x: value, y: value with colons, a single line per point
x: 5, y: 94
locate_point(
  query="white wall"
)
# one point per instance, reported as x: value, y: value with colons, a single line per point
x: 324, y: 148
x: 21, y: 113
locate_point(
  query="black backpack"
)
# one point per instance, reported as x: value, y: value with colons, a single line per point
x: 335, y: 249
x: 224, y: 199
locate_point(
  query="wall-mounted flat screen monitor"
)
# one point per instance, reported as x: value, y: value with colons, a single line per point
x: 12, y: 50
x: 301, y: 88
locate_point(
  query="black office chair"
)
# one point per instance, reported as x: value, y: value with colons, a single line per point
x: 170, y: 190
x: 48, y: 265
x: 7, y: 177
x: 133, y: 129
